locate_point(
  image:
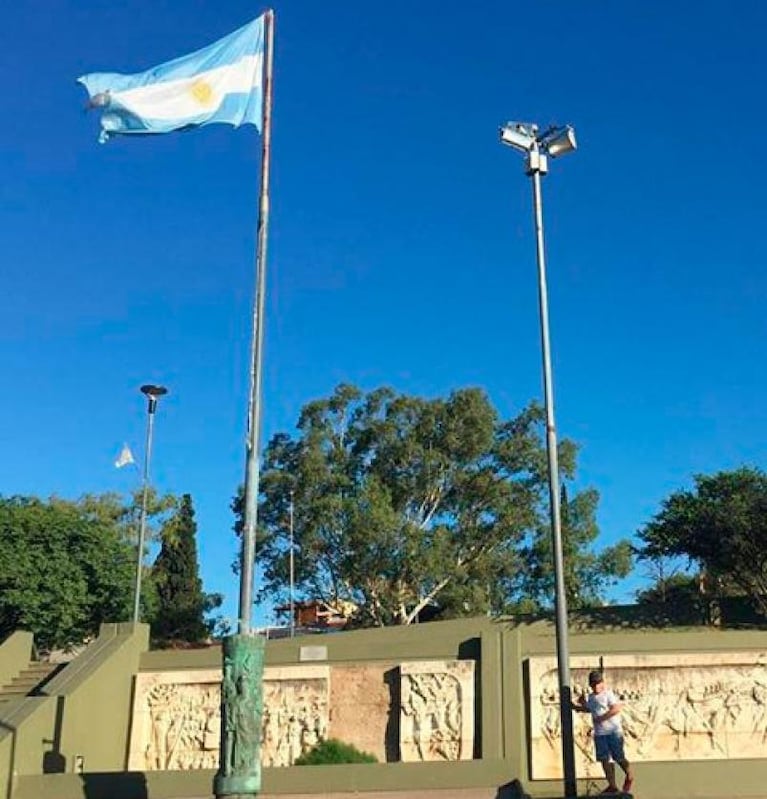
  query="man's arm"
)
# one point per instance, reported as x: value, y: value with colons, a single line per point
x: 613, y: 710
x: 580, y: 706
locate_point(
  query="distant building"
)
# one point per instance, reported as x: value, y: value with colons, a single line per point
x: 316, y: 613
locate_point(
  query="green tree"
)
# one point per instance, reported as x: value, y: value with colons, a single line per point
x: 403, y: 503
x: 721, y: 527
x: 181, y: 602
x: 587, y: 572
x: 65, y: 567
x: 672, y: 590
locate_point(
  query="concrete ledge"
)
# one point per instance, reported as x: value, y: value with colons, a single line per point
x: 466, y: 780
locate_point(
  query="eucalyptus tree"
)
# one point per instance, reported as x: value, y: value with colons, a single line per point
x: 404, y: 504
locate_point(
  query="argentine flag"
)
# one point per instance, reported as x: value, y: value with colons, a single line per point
x: 223, y: 82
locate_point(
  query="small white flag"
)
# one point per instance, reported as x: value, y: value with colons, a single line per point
x: 125, y: 458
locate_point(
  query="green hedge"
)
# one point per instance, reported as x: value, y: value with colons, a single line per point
x: 334, y: 751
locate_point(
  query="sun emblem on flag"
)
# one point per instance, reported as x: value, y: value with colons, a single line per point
x: 202, y: 91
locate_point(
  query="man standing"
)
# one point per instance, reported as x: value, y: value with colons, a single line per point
x: 608, y: 734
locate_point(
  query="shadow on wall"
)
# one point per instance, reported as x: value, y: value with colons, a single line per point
x: 472, y: 650
x: 512, y: 790
x: 115, y: 785
x: 392, y: 679
x: 53, y: 761
x: 11, y: 758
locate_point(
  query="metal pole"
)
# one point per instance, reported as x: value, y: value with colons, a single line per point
x: 250, y: 499
x: 563, y: 656
x: 151, y: 408
x: 292, y: 572
x: 239, y: 772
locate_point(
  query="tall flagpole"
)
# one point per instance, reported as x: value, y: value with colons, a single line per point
x: 239, y: 772
x: 250, y: 500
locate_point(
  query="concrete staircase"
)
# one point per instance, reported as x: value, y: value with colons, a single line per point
x: 30, y: 680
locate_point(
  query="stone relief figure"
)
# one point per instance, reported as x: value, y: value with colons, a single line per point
x: 551, y: 726
x: 295, y: 720
x: 160, y: 701
x: 431, y: 709
x: 181, y: 722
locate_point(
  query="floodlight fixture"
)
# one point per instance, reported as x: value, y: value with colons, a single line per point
x: 519, y: 135
x: 558, y: 141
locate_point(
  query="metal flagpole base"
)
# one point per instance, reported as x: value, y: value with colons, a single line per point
x: 239, y: 773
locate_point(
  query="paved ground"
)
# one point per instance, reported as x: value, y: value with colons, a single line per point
x: 456, y: 793
x: 453, y: 793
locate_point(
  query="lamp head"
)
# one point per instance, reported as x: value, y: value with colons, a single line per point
x: 152, y: 391
x: 519, y: 135
x: 558, y: 141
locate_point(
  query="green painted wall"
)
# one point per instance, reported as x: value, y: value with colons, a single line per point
x: 84, y: 710
x: 93, y: 700
x: 94, y: 693
x: 15, y: 655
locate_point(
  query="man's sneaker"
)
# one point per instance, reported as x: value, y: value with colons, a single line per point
x: 627, y: 784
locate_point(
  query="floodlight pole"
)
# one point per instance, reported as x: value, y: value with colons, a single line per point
x: 536, y: 166
x: 153, y: 393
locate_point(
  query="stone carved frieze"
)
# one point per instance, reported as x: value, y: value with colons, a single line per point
x: 177, y: 717
x: 184, y: 727
x: 437, y: 710
x: 295, y: 719
x: 676, y: 707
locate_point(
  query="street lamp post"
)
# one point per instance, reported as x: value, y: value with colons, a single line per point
x: 152, y: 393
x: 537, y: 147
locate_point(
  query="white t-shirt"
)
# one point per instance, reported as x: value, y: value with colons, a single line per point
x: 598, y: 705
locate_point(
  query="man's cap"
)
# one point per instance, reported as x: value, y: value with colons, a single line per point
x: 595, y: 677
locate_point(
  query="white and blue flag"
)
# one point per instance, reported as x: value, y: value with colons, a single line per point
x: 223, y: 82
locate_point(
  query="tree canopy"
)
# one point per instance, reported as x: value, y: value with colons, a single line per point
x: 587, y: 573
x: 65, y: 567
x: 182, y: 604
x: 721, y: 527
x: 404, y: 503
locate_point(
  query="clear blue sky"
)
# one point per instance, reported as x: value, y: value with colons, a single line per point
x: 401, y: 245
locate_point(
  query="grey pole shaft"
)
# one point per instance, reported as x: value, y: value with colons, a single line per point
x: 250, y: 499
x: 152, y: 407
x: 292, y: 572
x: 563, y: 656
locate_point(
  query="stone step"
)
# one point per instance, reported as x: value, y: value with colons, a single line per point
x: 28, y: 680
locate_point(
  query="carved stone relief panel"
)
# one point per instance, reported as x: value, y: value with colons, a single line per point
x: 295, y: 712
x: 687, y: 706
x: 177, y: 717
x: 437, y: 710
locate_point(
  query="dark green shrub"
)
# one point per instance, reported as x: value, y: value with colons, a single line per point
x: 334, y: 751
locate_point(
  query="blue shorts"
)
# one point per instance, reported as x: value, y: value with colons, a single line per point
x: 609, y: 745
